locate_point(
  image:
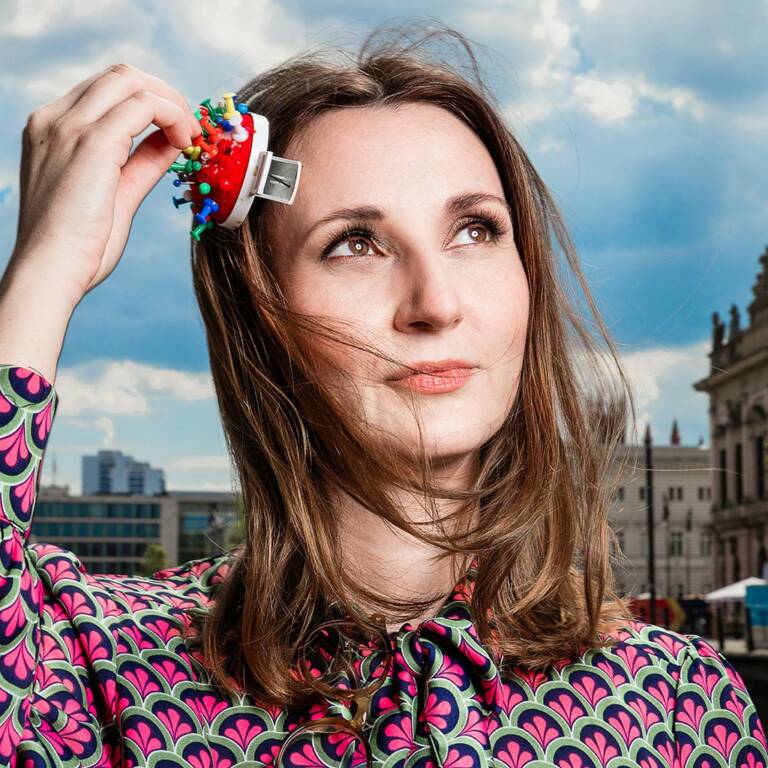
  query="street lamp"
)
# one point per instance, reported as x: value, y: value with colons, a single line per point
x: 688, y: 527
x: 665, y: 518
x: 649, y: 499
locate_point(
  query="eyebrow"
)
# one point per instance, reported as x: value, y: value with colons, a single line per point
x: 453, y: 205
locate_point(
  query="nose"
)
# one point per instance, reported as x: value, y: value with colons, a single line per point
x: 431, y: 292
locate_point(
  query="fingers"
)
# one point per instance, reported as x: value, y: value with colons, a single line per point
x: 145, y: 167
x: 119, y: 83
x: 59, y: 106
x: 94, y: 97
x: 143, y: 108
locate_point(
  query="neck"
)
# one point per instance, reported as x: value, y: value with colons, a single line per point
x: 394, y: 563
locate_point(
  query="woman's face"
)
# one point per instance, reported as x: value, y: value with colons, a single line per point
x: 431, y: 281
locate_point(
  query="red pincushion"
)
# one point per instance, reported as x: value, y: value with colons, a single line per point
x: 225, y: 172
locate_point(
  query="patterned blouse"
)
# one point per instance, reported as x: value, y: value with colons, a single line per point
x: 95, y: 671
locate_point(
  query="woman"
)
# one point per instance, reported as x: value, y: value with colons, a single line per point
x: 426, y: 573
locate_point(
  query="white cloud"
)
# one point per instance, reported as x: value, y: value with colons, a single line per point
x: 256, y: 33
x: 246, y: 38
x: 549, y: 143
x: 662, y: 381
x: 124, y: 387
x: 199, y: 462
x: 31, y: 20
x: 44, y: 87
x: 106, y: 424
x: 617, y: 99
x: 216, y: 487
x: 607, y: 101
x: 682, y: 99
x: 540, y: 41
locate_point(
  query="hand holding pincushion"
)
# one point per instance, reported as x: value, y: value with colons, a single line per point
x: 229, y: 165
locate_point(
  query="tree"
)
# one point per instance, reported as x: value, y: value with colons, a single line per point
x: 154, y: 559
x: 236, y: 530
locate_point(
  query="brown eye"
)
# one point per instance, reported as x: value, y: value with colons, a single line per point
x: 474, y: 230
x: 478, y: 233
x: 358, y: 246
x: 356, y: 243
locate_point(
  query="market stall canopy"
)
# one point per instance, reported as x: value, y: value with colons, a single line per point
x: 735, y: 591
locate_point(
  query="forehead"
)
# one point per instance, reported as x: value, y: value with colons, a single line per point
x: 411, y: 154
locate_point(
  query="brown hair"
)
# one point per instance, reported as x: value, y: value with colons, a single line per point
x: 544, y: 587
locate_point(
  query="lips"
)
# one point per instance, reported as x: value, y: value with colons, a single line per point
x: 434, y: 367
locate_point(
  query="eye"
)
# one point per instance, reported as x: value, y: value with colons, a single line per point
x: 358, y: 238
x: 477, y: 230
x: 483, y: 228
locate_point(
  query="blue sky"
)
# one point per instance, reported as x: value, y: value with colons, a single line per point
x: 648, y: 121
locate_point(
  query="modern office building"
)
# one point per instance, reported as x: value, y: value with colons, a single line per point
x: 112, y: 472
x: 110, y: 533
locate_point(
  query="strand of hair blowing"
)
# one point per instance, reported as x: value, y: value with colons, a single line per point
x: 544, y: 589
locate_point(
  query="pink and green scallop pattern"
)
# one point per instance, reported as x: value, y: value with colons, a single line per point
x: 95, y: 671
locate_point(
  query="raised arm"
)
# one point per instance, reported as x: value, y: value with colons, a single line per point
x: 80, y: 186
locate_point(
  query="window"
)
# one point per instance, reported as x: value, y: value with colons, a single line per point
x: 723, y: 478
x: 735, y: 562
x: 620, y: 493
x: 675, y: 544
x: 721, y: 561
x: 759, y: 467
x: 680, y: 493
x: 705, y: 544
x: 739, y: 475
x: 641, y: 493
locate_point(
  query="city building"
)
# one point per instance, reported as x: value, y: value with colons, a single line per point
x: 110, y: 534
x: 112, y: 472
x: 737, y: 386
x: 682, y: 537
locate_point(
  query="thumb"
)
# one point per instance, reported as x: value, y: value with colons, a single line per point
x: 147, y: 164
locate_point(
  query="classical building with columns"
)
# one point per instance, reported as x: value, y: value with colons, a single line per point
x: 737, y: 385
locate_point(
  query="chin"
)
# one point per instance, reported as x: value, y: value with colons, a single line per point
x: 450, y: 441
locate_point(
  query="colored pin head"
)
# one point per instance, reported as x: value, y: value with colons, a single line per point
x: 229, y: 165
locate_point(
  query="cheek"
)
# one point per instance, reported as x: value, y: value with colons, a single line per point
x: 340, y: 313
x: 506, y: 307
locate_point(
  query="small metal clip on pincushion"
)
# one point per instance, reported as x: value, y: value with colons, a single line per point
x: 229, y: 165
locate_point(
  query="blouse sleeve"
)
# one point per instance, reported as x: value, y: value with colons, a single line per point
x: 715, y: 720
x: 53, y: 708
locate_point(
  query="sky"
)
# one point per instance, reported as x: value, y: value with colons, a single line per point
x: 647, y: 121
